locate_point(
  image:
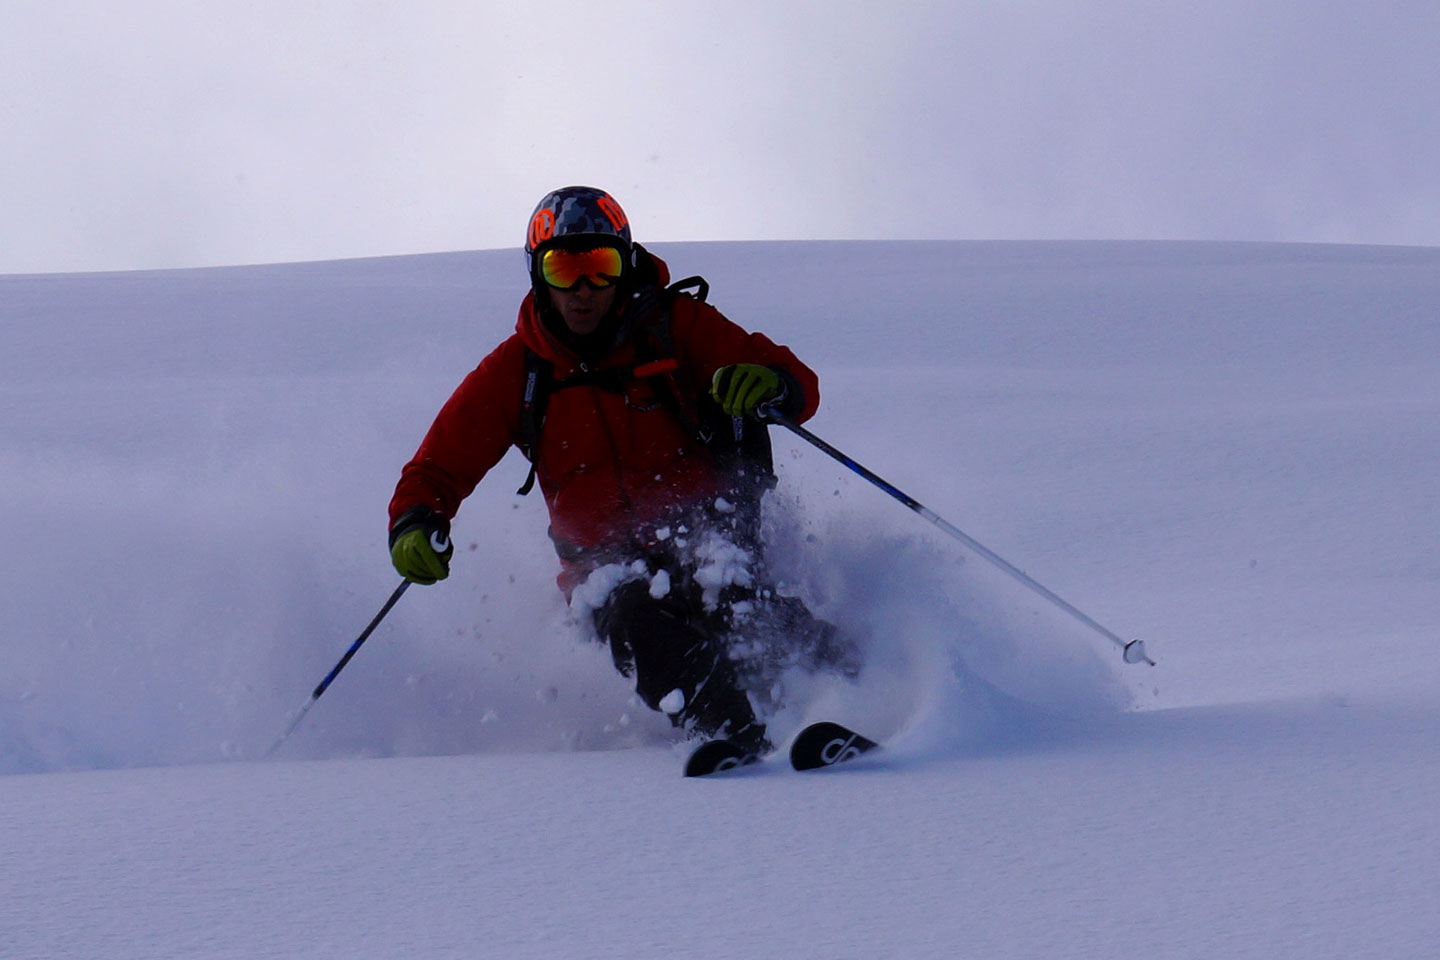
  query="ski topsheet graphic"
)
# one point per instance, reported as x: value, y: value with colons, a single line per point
x: 716, y: 756
x: 818, y: 745
x: 826, y: 744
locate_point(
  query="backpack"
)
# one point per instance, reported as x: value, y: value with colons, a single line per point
x: 740, y: 445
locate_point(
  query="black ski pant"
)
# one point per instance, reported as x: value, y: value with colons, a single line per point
x: 671, y: 644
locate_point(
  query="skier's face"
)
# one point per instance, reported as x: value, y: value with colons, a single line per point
x: 583, y: 307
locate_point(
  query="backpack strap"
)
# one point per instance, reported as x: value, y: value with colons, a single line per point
x: 698, y: 284
x: 657, y: 341
x: 539, y: 383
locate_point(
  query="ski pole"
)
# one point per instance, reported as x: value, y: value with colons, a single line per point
x: 1132, y: 651
x: 335, y: 671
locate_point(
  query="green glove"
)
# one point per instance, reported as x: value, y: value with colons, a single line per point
x: 742, y: 387
x: 421, y: 553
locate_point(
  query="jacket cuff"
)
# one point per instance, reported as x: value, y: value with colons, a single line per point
x: 419, y: 516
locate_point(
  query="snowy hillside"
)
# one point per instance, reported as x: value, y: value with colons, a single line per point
x: 1227, y: 449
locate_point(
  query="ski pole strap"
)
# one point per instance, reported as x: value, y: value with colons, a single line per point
x: 1133, y: 651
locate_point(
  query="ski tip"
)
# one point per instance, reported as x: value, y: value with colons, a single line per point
x: 825, y: 744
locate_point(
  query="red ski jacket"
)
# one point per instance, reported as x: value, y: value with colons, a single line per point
x: 608, y: 462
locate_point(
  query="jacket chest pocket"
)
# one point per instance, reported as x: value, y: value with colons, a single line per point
x: 642, y: 395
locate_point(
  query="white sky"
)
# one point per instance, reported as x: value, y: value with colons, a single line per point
x: 157, y: 133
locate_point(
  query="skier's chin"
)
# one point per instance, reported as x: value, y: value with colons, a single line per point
x: 582, y: 321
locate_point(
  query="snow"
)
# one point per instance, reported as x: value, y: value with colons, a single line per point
x: 673, y: 702
x: 1226, y: 449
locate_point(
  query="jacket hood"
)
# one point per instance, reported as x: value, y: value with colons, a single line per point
x: 531, y: 326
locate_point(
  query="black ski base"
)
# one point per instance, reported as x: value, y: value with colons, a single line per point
x: 825, y: 744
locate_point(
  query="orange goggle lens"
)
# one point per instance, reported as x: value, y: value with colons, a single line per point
x: 565, y: 268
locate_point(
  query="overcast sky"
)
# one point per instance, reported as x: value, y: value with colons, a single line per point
x: 157, y: 134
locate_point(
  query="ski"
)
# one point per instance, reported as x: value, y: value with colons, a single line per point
x: 817, y: 746
x: 825, y: 744
x: 717, y: 756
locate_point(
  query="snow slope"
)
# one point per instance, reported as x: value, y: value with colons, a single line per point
x: 1229, y: 449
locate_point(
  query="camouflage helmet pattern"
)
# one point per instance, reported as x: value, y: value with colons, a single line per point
x: 574, y: 212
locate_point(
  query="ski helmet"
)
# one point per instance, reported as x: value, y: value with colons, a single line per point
x: 576, y: 212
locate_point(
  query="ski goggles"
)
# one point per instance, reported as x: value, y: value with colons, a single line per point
x: 564, y: 269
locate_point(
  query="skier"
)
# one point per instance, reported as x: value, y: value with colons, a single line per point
x: 637, y: 405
